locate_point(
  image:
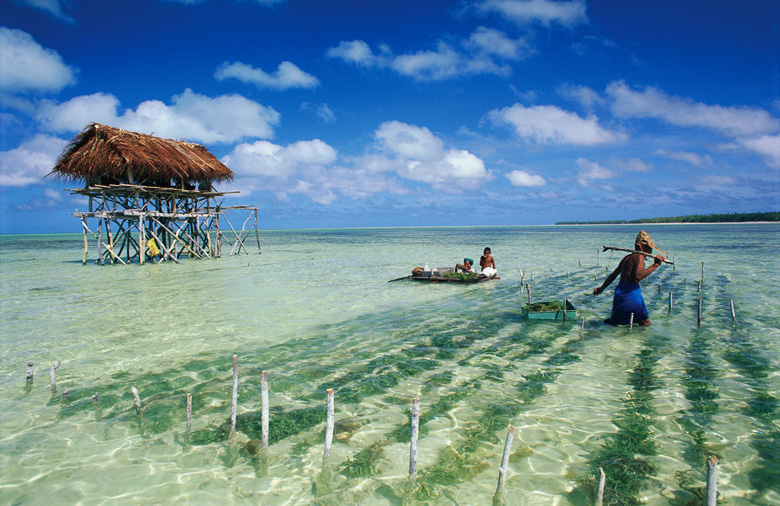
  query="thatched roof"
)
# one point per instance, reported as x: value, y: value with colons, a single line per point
x: 104, y: 151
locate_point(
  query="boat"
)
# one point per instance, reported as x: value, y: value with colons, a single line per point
x: 447, y: 275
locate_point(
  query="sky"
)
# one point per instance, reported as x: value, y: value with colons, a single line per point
x: 355, y: 113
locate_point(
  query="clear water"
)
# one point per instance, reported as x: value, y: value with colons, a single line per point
x: 316, y: 311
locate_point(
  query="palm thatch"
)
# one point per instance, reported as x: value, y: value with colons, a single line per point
x: 103, y: 155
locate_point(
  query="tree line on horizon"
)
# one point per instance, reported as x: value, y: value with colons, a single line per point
x: 690, y: 218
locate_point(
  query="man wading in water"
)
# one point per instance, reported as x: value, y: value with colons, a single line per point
x: 628, y: 296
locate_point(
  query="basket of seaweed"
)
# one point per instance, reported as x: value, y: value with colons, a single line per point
x: 550, y: 310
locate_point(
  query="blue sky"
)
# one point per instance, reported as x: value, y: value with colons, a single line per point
x: 407, y: 113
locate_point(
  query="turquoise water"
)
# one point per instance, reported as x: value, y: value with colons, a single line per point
x: 315, y: 311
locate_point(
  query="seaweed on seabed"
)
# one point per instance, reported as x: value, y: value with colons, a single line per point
x: 364, y: 462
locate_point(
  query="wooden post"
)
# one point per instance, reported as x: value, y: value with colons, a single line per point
x: 30, y: 371
x: 671, y: 303
x: 86, y: 242
x: 329, y: 424
x: 264, y: 408
x: 137, y: 400
x: 141, y: 239
x: 698, y: 318
x: 53, y: 376
x: 702, y: 272
x: 582, y: 327
x: 189, y: 412
x: 733, y: 312
x: 600, y: 491
x: 528, y: 287
x: 564, y: 309
x: 505, y: 459
x: 631, y: 323
x: 712, y: 481
x: 235, y: 395
x: 415, y: 433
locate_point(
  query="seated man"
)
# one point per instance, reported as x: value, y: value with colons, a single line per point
x: 487, y: 264
x: 466, y: 266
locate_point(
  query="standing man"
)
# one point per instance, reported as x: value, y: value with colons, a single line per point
x: 628, y: 296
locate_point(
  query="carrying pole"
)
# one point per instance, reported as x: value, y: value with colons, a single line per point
x: 607, y: 248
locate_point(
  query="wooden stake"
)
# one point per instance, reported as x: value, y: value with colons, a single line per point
x: 235, y: 395
x: 671, y: 303
x: 30, y: 371
x: 631, y: 323
x: 415, y: 433
x: 712, y: 481
x: 698, y: 318
x: 264, y: 408
x: 53, y: 376
x: 600, y: 491
x: 505, y: 459
x: 702, y: 272
x: 564, y: 309
x: 733, y: 312
x: 189, y: 412
x: 582, y: 328
x: 137, y: 400
x: 329, y: 424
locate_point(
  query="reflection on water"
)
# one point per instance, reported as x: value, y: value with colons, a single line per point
x: 315, y: 311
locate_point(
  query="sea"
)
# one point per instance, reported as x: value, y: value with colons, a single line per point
x: 512, y: 410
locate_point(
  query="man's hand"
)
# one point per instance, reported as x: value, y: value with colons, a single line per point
x: 659, y: 259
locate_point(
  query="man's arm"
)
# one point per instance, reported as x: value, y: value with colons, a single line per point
x: 609, y: 279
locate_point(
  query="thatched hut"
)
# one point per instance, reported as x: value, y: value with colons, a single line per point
x: 103, y: 155
x: 151, y: 197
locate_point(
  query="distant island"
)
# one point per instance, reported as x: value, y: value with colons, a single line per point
x: 691, y: 218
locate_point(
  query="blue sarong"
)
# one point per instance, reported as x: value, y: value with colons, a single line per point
x: 628, y: 299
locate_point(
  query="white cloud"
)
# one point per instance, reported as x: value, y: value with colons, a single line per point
x: 525, y: 179
x: 287, y: 76
x: 592, y: 171
x: 263, y: 158
x: 28, y: 163
x: 191, y: 116
x: 355, y: 51
x: 548, y: 124
x: 53, y: 7
x: 583, y: 95
x: 685, y: 156
x: 654, y: 103
x: 544, y: 11
x: 415, y: 153
x: 322, y: 111
x: 25, y: 65
x: 767, y: 146
x: 482, y: 53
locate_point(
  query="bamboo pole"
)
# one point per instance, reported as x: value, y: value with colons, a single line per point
x: 505, y: 459
x: 235, y: 395
x: 329, y: 424
x: 712, y: 481
x: 264, y: 408
x: 137, y: 400
x: 600, y: 490
x: 415, y: 433
x: 30, y: 370
x: 650, y: 255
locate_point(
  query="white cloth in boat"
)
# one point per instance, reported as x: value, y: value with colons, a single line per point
x: 489, y: 271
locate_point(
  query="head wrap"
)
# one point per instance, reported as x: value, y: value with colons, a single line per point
x: 644, y: 238
x: 468, y: 260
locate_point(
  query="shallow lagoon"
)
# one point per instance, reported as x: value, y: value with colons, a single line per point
x: 315, y: 311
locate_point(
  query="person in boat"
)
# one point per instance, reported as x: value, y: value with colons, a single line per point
x: 628, y: 298
x: 466, y: 266
x: 487, y: 264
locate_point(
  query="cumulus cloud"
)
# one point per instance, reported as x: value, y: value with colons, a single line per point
x: 190, y: 116
x: 545, y: 12
x: 287, y: 76
x: 28, y: 163
x: 416, y: 154
x: 583, y: 95
x: 27, y: 66
x: 592, y: 171
x: 525, y: 179
x: 654, y: 103
x: 548, y: 124
x: 263, y: 158
x: 767, y: 146
x: 484, y: 52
